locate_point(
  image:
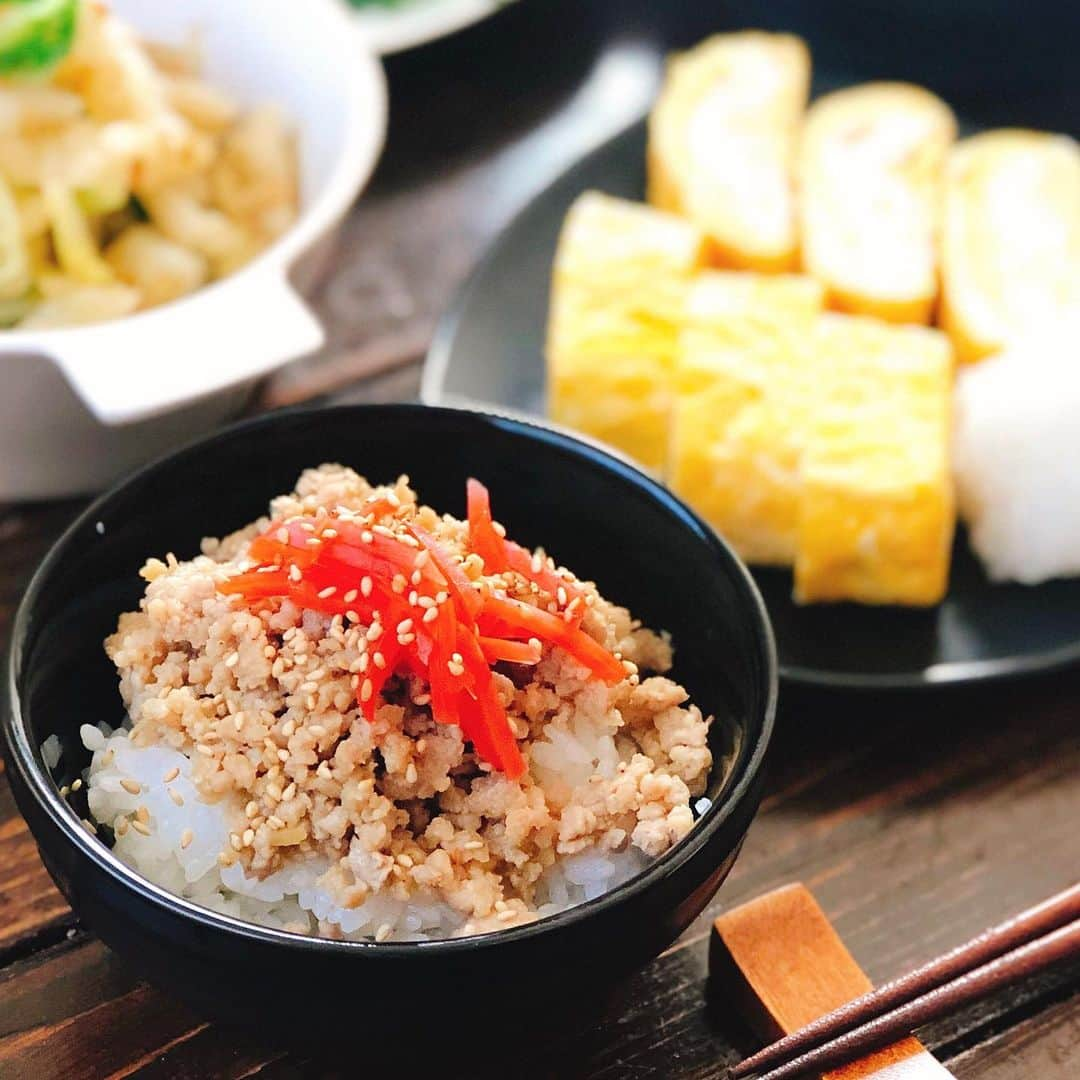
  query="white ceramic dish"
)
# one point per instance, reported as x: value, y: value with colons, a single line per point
x: 79, y: 406
x: 409, y: 23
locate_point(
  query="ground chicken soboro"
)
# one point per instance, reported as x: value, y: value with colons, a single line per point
x: 264, y: 703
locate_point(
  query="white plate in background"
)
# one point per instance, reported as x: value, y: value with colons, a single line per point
x: 392, y: 26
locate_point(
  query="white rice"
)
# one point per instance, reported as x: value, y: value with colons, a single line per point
x: 1015, y: 447
x: 292, y: 898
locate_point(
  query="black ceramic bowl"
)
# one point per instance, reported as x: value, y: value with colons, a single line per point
x: 597, y: 514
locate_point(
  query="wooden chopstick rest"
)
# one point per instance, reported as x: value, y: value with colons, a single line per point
x: 783, y: 965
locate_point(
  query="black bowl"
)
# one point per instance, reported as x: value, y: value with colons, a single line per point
x: 597, y: 514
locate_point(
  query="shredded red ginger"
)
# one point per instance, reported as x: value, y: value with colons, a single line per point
x: 391, y: 579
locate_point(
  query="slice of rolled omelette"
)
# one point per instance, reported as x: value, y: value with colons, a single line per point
x: 617, y: 299
x: 742, y: 395
x: 722, y: 140
x: 877, y: 511
x: 871, y: 173
x: 1011, y: 238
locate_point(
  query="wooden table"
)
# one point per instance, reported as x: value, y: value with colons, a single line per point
x: 916, y: 820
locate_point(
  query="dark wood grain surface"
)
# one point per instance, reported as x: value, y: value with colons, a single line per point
x: 916, y: 821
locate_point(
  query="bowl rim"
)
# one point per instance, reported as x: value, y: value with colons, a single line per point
x: 23, y: 755
x: 366, y: 101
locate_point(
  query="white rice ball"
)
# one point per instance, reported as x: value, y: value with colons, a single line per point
x: 1016, y: 448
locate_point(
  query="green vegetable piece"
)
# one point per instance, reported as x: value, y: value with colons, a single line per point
x: 35, y: 34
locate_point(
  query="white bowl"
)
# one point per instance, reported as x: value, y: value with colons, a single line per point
x: 79, y: 406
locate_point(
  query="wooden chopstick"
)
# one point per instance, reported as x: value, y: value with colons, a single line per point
x: 858, y: 1013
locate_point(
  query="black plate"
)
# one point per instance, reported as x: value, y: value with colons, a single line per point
x: 488, y: 352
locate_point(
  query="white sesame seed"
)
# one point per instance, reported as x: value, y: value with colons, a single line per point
x: 404, y: 626
x: 186, y: 837
x: 366, y: 537
x: 283, y: 755
x: 141, y: 827
x: 176, y: 797
x: 325, y: 594
x: 132, y: 787
x: 383, y: 932
x: 406, y: 639
x: 374, y: 632
x: 378, y: 660
x: 317, y: 730
x: 366, y: 690
x: 350, y: 596
x: 294, y: 573
x: 248, y: 838
x: 431, y: 614
x: 352, y: 616
x: 416, y: 577
x: 233, y: 660
x: 288, y: 728
x: 410, y: 774
x: 76, y: 784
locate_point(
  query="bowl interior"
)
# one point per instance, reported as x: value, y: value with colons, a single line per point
x: 592, y: 512
x: 303, y: 59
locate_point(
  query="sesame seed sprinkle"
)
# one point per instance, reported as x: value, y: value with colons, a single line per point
x: 185, y: 838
